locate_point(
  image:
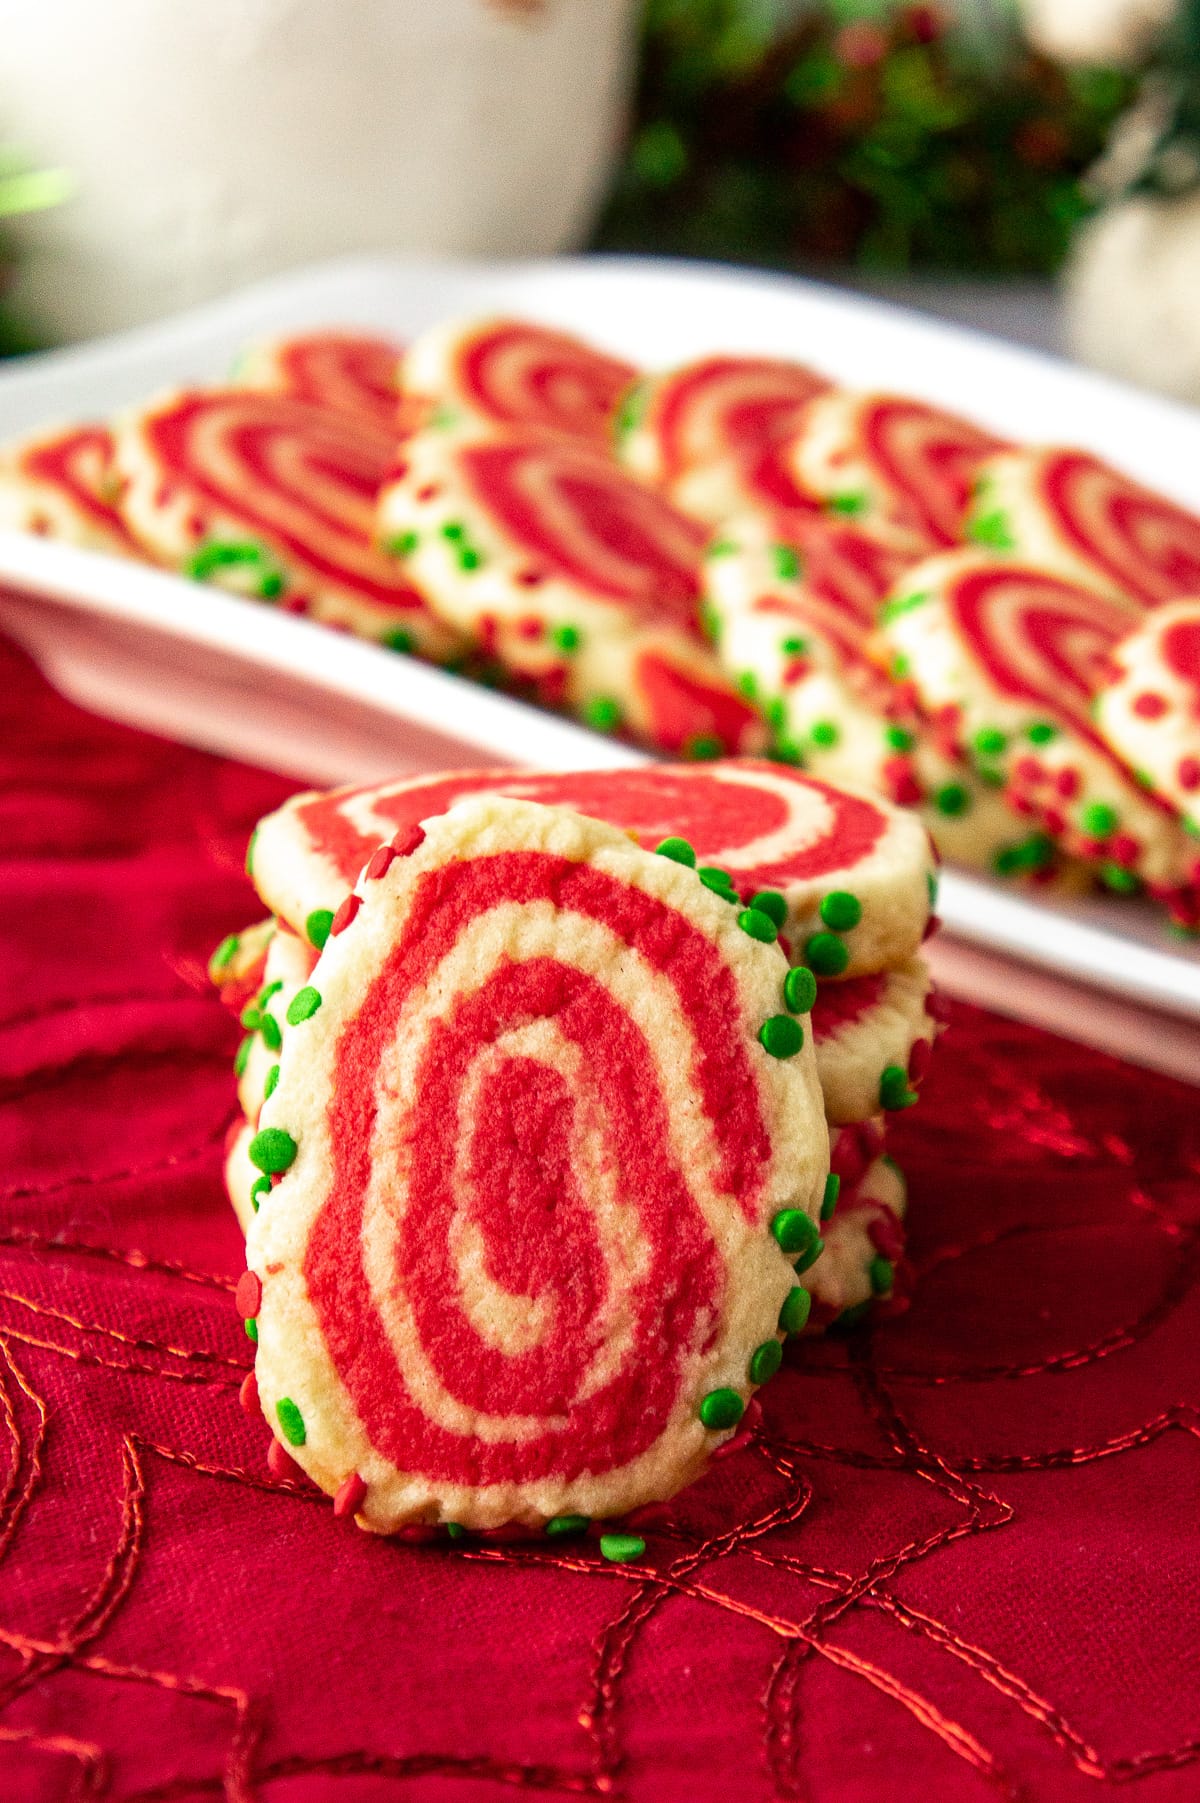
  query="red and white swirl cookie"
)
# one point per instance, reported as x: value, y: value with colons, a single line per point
x: 552, y: 560
x: 515, y: 372
x: 352, y: 372
x: 547, y: 1144
x: 63, y: 484
x: 1008, y: 659
x: 854, y: 873
x: 1069, y: 512
x: 790, y: 604
x: 894, y: 464
x: 275, y: 498
x: 237, y: 966
x: 1149, y: 709
x: 711, y: 412
x: 864, y: 1244
x: 873, y: 1037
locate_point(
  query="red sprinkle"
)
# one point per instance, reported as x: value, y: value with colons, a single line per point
x: 750, y: 1423
x: 281, y: 1464
x: 381, y: 863
x: 509, y: 1533
x: 902, y: 786
x: 795, y: 670
x: 530, y: 627
x: 1123, y: 849
x: 886, y: 1235
x: 937, y: 1007
x: 248, y: 1394
x: 651, y: 1515
x: 1068, y: 783
x: 429, y: 491
x: 1027, y: 770
x: 406, y: 842
x: 1189, y: 773
x: 1055, y: 822
x: 932, y: 926
x: 248, y: 1295
x: 421, y: 1533
x: 530, y: 578
x: 1021, y: 804
x: 918, y: 1060
x: 1149, y: 706
x: 345, y: 914
x: 350, y: 1497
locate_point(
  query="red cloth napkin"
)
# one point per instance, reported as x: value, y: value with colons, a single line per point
x: 961, y: 1560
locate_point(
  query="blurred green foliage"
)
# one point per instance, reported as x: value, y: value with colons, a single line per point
x: 22, y: 191
x: 856, y: 132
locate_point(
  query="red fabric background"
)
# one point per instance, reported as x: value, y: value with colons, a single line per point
x: 961, y: 1560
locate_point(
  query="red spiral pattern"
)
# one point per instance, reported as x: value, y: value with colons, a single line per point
x: 846, y: 574
x: 1148, y: 547
x: 78, y: 463
x: 527, y: 375
x: 516, y: 1183
x: 1181, y: 652
x: 302, y: 479
x: 352, y: 372
x: 764, y: 823
x: 722, y: 406
x: 928, y: 459
x: 1040, y: 639
x: 575, y: 515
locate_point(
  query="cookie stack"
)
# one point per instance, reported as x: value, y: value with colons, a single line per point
x: 543, y: 1069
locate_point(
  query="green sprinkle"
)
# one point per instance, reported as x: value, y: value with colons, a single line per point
x: 719, y: 881
x: 566, y: 638
x: 786, y: 751
x: 989, y: 741
x: 559, y: 1525
x: 829, y: 1201
x: 840, y: 910
x: 271, y: 1080
x: 781, y: 1036
x: 991, y: 774
x: 775, y: 713
x: 721, y: 547
x: 469, y: 558
x: 291, y: 1421
x: 758, y: 925
x: 251, y: 1017
x: 258, y: 1189
x: 786, y: 563
x: 793, y: 1316
x: 223, y: 554
x: 793, y: 646
x: 881, y: 1273
x: 721, y: 1409
x: 765, y: 1361
x: 251, y: 1327
x: 632, y: 409
x: 273, y: 1150
x: 903, y: 604
x: 454, y: 530
x: 1032, y: 853
x: 250, y: 852
x: 620, y: 1549
x: 401, y: 544
x: 747, y: 684
x: 704, y: 747
x: 931, y: 883
x: 225, y: 952
x: 952, y: 799
x: 303, y: 1005
x: 678, y: 850
x: 826, y: 954
x: 849, y: 505
x: 1041, y: 732
x: 900, y: 666
x: 796, y: 1234
x: 602, y: 713
x: 799, y: 989
x: 893, y: 1088
x: 1119, y: 880
x: 455, y: 1530
x: 267, y: 992
x: 399, y: 640
x: 991, y: 529
x: 271, y: 1031
x: 242, y: 1056
x: 826, y: 733
x: 710, y: 621
x: 1098, y: 820
x: 898, y: 738
x: 317, y: 926
x: 850, y: 1317
x: 771, y: 903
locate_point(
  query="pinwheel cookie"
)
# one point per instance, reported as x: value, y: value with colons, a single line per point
x: 63, y: 484
x: 350, y: 372
x: 552, y: 560
x: 790, y: 604
x: 1068, y: 512
x: 710, y: 415
x: 874, y: 1038
x: 514, y: 372
x: 864, y: 1245
x: 1008, y: 659
x: 846, y: 876
x: 545, y: 1151
x: 896, y: 465
x: 275, y: 498
x: 1148, y: 710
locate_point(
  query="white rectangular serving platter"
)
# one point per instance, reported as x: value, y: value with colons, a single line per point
x: 237, y: 677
